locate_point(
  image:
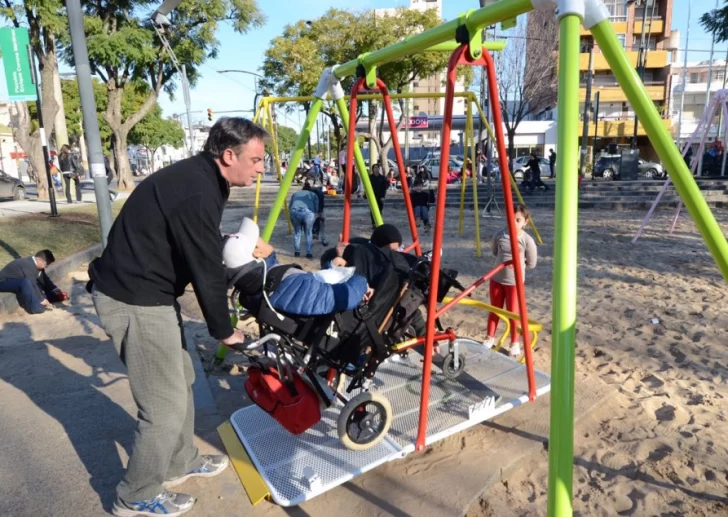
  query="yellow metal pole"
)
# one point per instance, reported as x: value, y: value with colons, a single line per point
x: 274, y: 140
x: 259, y: 179
x: 463, y: 178
x: 474, y: 179
x: 510, y: 176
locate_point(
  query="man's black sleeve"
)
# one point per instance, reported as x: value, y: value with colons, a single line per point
x: 196, y: 237
x: 46, y: 284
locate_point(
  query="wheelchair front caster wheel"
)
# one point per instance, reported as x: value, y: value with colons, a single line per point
x: 448, y: 366
x: 364, y: 421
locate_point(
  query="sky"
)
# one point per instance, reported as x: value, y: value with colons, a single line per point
x: 228, y: 92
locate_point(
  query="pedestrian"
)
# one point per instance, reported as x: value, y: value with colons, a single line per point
x: 420, y: 204
x: 318, y: 169
x: 503, y: 284
x: 552, y: 162
x: 71, y: 170
x: 27, y: 279
x: 55, y: 176
x: 319, y: 226
x: 303, y: 207
x: 380, y: 185
x: 342, y: 162
x: 166, y: 237
x: 110, y: 176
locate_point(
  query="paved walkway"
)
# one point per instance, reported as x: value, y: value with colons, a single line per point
x: 33, y: 205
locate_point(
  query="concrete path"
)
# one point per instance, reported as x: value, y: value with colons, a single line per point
x: 33, y: 205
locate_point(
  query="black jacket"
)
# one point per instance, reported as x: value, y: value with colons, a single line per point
x: 166, y: 237
x: 25, y: 268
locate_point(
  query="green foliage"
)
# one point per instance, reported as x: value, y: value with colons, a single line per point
x: 287, y: 138
x: 153, y: 131
x: 716, y: 22
x: 294, y: 60
x: 72, y: 108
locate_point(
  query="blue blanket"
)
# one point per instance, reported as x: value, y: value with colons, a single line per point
x: 306, y: 295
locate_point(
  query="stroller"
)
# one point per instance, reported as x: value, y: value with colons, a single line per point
x: 305, y: 361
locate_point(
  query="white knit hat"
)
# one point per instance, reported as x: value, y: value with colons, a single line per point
x: 238, y: 249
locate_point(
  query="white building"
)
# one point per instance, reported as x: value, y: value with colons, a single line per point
x: 695, y: 87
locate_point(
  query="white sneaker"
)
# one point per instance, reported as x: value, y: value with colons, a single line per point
x: 489, y: 342
x: 515, y: 350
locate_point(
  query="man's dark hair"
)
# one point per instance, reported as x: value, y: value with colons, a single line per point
x: 306, y: 186
x: 231, y: 133
x: 46, y: 256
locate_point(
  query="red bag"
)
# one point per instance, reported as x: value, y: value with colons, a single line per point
x: 294, y: 405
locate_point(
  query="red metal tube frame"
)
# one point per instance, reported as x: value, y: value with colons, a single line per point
x: 360, y: 87
x: 483, y: 279
x: 461, y: 56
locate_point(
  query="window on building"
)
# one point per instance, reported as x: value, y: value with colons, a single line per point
x: 617, y: 10
x: 415, y: 84
x: 416, y: 107
x: 650, y: 43
x: 694, y: 77
x: 718, y: 75
x: 622, y: 39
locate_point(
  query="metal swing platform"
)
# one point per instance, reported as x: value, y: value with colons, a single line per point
x: 298, y: 468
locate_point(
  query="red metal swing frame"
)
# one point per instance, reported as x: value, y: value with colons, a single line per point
x: 461, y: 56
x: 360, y: 87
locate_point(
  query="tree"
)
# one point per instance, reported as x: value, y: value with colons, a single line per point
x: 715, y: 22
x: 74, y: 117
x: 124, y: 50
x: 526, y: 73
x: 295, y: 59
x: 287, y: 139
x: 46, y: 23
x: 153, y: 131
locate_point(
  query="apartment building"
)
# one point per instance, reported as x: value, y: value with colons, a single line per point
x: 432, y: 84
x: 633, y: 21
x: 697, y: 95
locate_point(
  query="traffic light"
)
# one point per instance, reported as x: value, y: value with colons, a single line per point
x: 209, y: 114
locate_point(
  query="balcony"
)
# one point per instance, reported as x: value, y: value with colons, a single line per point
x: 621, y: 128
x: 611, y: 92
x: 655, y: 59
x: 656, y: 27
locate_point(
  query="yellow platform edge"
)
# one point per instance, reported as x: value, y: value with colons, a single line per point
x: 251, y: 480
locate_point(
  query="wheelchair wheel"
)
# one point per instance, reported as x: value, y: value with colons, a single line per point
x: 448, y: 366
x: 364, y: 421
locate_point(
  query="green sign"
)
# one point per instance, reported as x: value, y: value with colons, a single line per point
x: 17, y: 85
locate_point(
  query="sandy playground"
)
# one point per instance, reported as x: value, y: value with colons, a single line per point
x: 656, y: 446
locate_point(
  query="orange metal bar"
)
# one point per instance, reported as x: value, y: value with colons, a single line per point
x: 349, y: 174
x: 472, y: 288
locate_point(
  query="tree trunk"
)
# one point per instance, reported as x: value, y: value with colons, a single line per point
x: 511, y: 144
x: 120, y: 129
x: 152, y: 152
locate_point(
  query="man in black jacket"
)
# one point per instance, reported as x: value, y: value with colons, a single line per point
x: 380, y: 185
x: 166, y: 237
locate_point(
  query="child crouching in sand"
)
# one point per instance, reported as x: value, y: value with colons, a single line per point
x: 503, y: 284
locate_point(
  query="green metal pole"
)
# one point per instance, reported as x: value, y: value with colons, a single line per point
x: 561, y: 437
x: 275, y: 211
x: 360, y: 164
x: 441, y: 34
x: 449, y: 46
x: 662, y: 141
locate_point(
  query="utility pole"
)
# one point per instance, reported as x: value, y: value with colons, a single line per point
x: 640, y: 65
x: 720, y: 115
x: 596, y: 124
x: 707, y: 88
x: 684, y: 77
x: 90, y: 120
x: 188, y: 108
x: 587, y: 101
x: 43, y: 139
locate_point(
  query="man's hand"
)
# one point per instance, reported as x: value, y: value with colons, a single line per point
x: 236, y: 338
x: 368, y: 295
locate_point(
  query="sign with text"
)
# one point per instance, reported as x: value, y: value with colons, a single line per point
x: 17, y: 83
x: 418, y: 123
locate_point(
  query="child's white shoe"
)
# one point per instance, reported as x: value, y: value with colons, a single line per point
x: 515, y: 350
x: 489, y: 342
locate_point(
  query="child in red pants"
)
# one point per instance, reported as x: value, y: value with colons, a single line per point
x: 503, y: 285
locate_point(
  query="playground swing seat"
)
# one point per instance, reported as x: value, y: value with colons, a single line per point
x: 305, y: 360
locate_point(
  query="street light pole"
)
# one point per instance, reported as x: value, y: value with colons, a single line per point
x: 640, y: 65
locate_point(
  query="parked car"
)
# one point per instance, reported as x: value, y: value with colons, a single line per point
x: 11, y: 187
x: 520, y: 165
x: 433, y: 166
x: 607, y: 167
